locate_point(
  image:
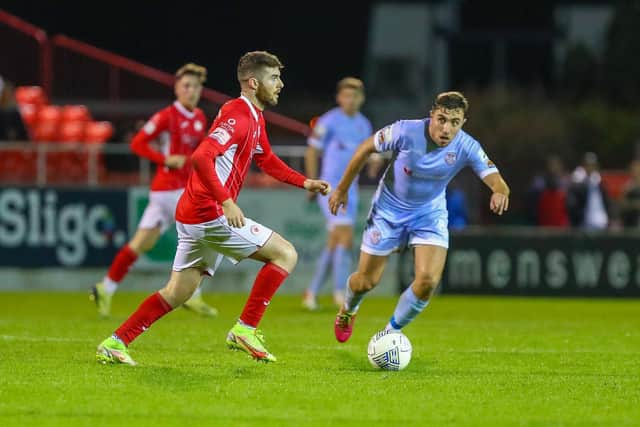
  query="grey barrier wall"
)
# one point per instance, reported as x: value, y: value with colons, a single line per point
x: 51, y: 228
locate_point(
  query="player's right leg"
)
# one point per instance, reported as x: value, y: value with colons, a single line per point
x: 323, y: 266
x: 102, y: 292
x: 366, y: 277
x: 181, y: 285
x: 381, y: 237
x: 342, y: 260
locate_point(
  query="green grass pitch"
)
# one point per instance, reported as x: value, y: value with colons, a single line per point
x: 477, y: 361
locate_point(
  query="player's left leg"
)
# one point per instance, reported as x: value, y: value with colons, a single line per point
x: 429, y: 264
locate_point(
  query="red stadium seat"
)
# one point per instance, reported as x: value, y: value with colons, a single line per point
x: 45, y: 132
x: 75, y: 113
x: 29, y: 113
x: 98, y: 132
x: 72, y: 131
x: 49, y: 113
x: 30, y: 95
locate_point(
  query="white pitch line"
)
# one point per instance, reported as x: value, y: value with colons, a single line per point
x: 36, y: 339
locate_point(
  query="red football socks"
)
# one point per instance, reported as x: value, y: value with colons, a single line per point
x: 149, y: 311
x: 268, y: 280
x: 121, y: 264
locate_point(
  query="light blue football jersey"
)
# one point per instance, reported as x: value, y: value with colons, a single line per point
x: 338, y: 136
x: 419, y: 172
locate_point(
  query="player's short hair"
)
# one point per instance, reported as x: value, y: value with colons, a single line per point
x: 350, y: 83
x: 252, y: 63
x: 192, y: 69
x: 451, y: 101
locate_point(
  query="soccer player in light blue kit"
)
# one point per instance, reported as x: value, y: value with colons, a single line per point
x: 409, y: 206
x: 336, y: 136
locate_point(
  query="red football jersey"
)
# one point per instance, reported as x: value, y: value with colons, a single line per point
x: 177, y: 131
x: 223, y: 158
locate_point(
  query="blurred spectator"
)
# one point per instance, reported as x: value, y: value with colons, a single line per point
x: 11, y: 126
x: 457, y: 208
x: 548, y: 195
x: 630, y: 202
x: 587, y: 201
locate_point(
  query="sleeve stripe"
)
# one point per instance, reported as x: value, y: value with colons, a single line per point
x: 488, y: 172
x: 314, y: 142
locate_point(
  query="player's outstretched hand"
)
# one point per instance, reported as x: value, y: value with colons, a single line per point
x: 317, y: 186
x: 499, y: 203
x: 175, y: 161
x: 338, y: 200
x: 233, y: 213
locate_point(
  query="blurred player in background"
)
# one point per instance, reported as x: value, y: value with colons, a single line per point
x: 178, y: 129
x: 336, y: 135
x: 410, y: 207
x: 211, y: 225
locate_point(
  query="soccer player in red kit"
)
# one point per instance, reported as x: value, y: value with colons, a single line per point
x: 210, y: 224
x: 178, y: 129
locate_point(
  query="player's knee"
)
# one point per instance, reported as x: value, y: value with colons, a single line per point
x: 426, y: 281
x: 288, y: 255
x: 363, y: 282
x: 180, y: 288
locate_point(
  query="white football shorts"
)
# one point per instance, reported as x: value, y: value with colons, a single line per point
x: 161, y: 210
x: 203, y: 245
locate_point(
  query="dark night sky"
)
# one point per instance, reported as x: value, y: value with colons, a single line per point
x: 319, y: 42
x: 317, y: 45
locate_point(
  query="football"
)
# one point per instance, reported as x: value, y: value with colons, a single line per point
x: 389, y: 350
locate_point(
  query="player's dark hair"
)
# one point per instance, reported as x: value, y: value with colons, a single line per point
x: 192, y: 69
x: 451, y: 101
x: 350, y: 83
x: 252, y: 63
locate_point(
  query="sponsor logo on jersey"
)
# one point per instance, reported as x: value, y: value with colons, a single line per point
x: 450, y: 158
x: 220, y: 135
x: 184, y: 124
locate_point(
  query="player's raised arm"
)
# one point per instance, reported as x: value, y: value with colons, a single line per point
x: 140, y: 144
x: 499, y: 202
x: 273, y: 165
x: 486, y: 170
x: 339, y: 197
x: 223, y: 135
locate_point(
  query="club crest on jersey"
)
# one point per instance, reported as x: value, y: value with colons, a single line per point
x: 450, y: 158
x: 255, y: 230
x: 375, y: 236
x: 197, y: 125
x: 220, y: 135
